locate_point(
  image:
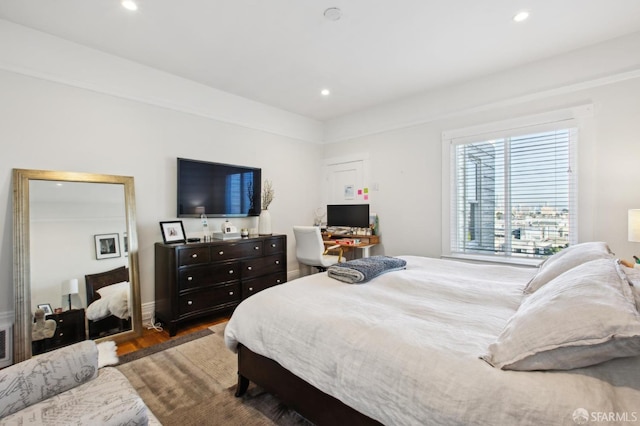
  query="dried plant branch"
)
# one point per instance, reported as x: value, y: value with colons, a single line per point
x: 267, y: 194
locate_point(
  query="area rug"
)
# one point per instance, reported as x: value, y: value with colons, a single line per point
x: 192, y: 382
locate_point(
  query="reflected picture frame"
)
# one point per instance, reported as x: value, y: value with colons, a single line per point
x: 46, y: 307
x: 173, y: 232
x: 107, y: 246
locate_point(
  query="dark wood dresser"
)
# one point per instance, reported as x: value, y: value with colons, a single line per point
x: 198, y: 279
x: 69, y: 329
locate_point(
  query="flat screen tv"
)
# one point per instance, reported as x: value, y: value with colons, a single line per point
x: 217, y: 190
x: 348, y: 215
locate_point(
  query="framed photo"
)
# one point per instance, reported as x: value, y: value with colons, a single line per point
x: 125, y: 244
x: 107, y: 246
x: 46, y: 308
x: 173, y: 232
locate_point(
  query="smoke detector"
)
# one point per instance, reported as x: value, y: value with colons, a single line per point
x: 333, y: 14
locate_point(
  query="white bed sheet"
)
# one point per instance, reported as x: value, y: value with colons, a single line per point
x: 404, y: 348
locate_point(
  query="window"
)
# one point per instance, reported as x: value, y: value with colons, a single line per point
x: 512, y: 193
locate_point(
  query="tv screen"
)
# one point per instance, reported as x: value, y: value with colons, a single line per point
x: 348, y: 215
x: 217, y: 190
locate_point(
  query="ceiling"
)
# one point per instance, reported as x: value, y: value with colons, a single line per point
x: 283, y: 52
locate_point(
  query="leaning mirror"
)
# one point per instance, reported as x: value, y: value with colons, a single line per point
x: 75, y: 260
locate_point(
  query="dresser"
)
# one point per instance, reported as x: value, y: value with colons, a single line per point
x: 69, y: 329
x: 200, y: 279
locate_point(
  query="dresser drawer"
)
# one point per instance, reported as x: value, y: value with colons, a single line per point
x: 198, y: 276
x: 236, y: 250
x: 208, y: 299
x: 275, y: 245
x: 255, y: 285
x: 262, y: 266
x: 193, y: 256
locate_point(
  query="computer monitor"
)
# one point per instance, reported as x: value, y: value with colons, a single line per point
x: 348, y: 215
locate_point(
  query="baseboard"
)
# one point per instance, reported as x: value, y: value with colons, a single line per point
x: 148, y: 312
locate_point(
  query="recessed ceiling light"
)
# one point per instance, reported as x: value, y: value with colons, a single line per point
x: 333, y: 14
x: 325, y: 92
x: 129, y: 4
x: 521, y: 16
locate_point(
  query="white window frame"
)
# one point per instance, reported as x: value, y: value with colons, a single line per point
x: 565, y: 118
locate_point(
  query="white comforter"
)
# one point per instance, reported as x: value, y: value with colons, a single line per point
x: 404, y: 348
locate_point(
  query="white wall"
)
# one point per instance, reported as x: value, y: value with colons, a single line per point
x: 53, y: 125
x: 404, y: 142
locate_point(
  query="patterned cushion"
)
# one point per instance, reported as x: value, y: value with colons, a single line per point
x: 41, y: 377
x: 108, y: 400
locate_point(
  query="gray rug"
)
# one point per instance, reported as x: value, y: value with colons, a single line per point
x: 192, y: 382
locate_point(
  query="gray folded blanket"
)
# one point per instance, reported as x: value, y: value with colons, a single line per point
x: 362, y: 270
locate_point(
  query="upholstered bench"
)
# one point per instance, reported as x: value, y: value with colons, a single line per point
x: 66, y: 386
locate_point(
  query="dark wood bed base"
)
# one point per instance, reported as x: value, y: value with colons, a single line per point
x: 313, y: 404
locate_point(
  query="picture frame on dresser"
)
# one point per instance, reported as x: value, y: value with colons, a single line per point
x: 173, y: 232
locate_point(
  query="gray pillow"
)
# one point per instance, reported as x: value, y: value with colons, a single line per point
x: 585, y: 316
x: 633, y: 276
x: 566, y: 259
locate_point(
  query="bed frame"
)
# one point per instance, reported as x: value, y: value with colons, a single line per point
x: 310, y: 402
x: 111, y: 324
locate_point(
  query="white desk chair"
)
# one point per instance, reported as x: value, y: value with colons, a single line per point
x: 311, y: 250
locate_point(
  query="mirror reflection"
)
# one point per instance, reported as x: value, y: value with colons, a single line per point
x: 78, y: 230
x: 76, y: 261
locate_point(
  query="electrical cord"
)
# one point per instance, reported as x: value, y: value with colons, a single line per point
x: 154, y: 325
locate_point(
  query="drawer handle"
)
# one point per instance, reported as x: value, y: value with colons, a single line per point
x: 256, y: 248
x: 194, y: 255
x: 230, y: 271
x: 277, y: 262
x: 278, y: 281
x: 60, y: 320
x: 221, y: 252
x: 230, y: 293
x: 250, y: 288
x: 189, y: 278
x: 61, y: 334
x: 274, y: 245
x: 249, y: 268
x: 189, y: 302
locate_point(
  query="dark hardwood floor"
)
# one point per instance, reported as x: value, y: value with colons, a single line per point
x: 152, y: 337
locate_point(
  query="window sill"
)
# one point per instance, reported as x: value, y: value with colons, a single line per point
x: 511, y: 261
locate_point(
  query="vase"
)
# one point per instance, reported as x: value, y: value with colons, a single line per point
x: 264, y: 222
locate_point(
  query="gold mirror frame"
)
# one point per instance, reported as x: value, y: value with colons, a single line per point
x: 21, y: 252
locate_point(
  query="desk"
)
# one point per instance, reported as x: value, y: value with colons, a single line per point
x: 366, y: 241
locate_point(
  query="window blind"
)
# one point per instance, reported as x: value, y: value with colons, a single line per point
x: 514, y: 195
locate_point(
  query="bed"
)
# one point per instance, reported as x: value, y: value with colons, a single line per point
x: 108, y: 302
x: 445, y: 342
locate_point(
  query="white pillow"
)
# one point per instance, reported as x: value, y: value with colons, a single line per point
x: 114, y: 300
x: 98, y: 310
x: 114, y: 288
x: 583, y: 317
x: 566, y: 259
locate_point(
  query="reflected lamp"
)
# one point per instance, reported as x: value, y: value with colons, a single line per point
x: 70, y: 287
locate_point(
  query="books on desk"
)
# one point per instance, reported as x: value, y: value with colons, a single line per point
x: 363, y: 239
x: 348, y: 242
